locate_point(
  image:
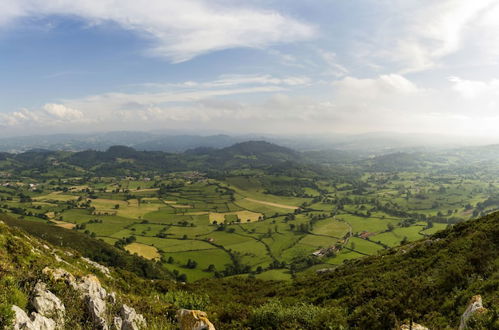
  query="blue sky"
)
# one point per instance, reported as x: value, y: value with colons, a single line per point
x: 282, y: 67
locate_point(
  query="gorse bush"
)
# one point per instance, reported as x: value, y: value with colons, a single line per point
x: 184, y: 299
x: 10, y: 294
x: 275, y: 315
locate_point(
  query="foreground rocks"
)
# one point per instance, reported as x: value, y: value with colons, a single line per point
x: 47, y: 304
x: 413, y: 326
x: 193, y: 320
x: 474, y: 307
x: 130, y: 320
x: 36, y: 322
x: 96, y: 299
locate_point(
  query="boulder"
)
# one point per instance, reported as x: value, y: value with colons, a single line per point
x: 41, y: 322
x: 35, y: 322
x: 47, y: 304
x: 474, y: 307
x: 60, y: 274
x: 193, y: 320
x: 131, y: 319
x: 117, y: 323
x: 414, y: 326
x: 96, y: 307
x: 90, y: 285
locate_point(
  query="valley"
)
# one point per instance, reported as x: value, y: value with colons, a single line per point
x: 247, y: 219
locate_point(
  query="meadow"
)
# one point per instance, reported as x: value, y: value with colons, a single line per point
x: 205, y: 227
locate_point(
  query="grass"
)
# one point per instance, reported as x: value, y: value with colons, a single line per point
x: 275, y: 275
x: 331, y: 227
x: 241, y: 216
x: 146, y: 251
x: 394, y: 237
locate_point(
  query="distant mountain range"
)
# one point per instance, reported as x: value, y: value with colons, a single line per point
x: 362, y: 144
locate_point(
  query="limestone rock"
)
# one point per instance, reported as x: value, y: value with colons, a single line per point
x: 47, y: 304
x: 95, y: 296
x: 103, y: 269
x: 414, y: 326
x: 41, y: 322
x: 90, y: 288
x: 131, y: 319
x: 112, y: 297
x: 36, y: 322
x: 90, y: 285
x: 117, y: 323
x: 97, y: 309
x: 21, y: 320
x: 60, y: 274
x: 193, y: 320
x: 474, y: 307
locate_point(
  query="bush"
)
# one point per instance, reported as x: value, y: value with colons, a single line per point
x: 184, y: 299
x: 10, y: 294
x: 274, y: 315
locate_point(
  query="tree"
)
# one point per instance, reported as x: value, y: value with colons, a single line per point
x: 170, y: 260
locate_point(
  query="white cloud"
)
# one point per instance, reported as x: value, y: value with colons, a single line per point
x: 180, y: 30
x: 50, y: 114
x: 418, y: 35
x: 62, y: 112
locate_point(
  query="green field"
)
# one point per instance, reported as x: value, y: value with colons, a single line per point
x: 252, y: 222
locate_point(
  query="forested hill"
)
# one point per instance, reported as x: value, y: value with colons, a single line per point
x: 122, y: 160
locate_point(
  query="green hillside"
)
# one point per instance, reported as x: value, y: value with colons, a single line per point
x: 429, y: 281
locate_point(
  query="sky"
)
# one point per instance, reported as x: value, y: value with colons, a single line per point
x: 253, y: 66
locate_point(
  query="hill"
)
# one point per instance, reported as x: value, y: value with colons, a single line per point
x: 124, y: 160
x: 429, y: 282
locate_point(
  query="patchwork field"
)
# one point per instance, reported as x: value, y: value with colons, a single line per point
x: 143, y: 250
x: 253, y: 223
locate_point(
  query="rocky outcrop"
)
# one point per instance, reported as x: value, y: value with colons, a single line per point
x: 130, y: 319
x: 35, y: 322
x: 47, y: 304
x: 413, y: 326
x: 103, y: 269
x: 96, y: 298
x: 193, y: 320
x: 474, y: 307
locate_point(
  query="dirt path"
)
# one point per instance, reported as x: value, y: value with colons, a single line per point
x: 272, y: 204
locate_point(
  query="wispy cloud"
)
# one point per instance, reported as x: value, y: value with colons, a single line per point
x: 179, y: 30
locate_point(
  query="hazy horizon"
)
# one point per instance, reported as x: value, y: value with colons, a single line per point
x: 255, y: 67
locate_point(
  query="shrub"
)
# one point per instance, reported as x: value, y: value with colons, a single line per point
x: 184, y: 299
x: 275, y: 315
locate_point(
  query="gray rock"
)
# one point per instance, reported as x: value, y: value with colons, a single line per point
x: 90, y: 285
x: 474, y: 307
x: 414, y: 326
x: 47, y: 304
x: 97, y: 309
x: 131, y: 319
x: 112, y: 297
x: 117, y: 323
x: 35, y: 322
x: 193, y: 320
